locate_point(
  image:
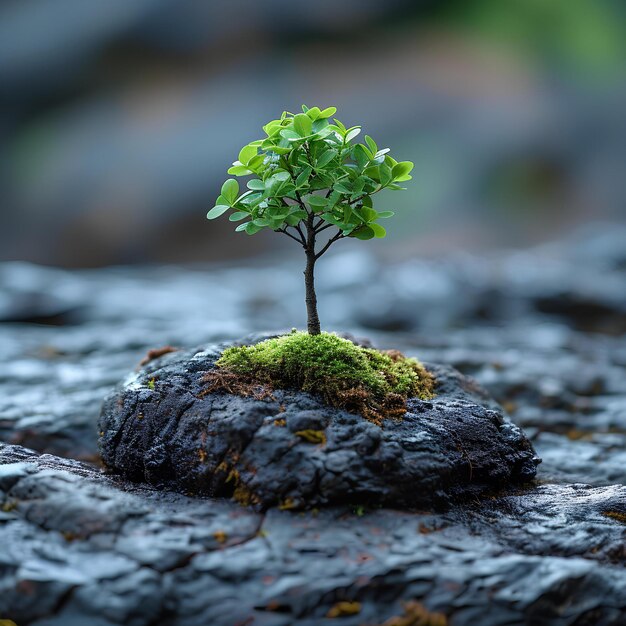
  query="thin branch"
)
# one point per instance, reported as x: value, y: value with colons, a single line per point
x: 357, y: 199
x: 301, y: 241
x: 332, y: 240
x: 301, y: 202
x: 319, y: 230
x: 365, y: 195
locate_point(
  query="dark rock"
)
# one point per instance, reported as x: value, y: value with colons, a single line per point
x: 161, y: 427
x: 80, y: 547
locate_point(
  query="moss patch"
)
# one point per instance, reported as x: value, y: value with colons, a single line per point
x: 373, y: 383
x: 616, y: 515
x: 312, y: 436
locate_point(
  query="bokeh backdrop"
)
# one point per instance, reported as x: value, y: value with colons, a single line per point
x: 119, y: 118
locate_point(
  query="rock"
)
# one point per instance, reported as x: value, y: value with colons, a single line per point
x: 81, y: 547
x: 294, y: 451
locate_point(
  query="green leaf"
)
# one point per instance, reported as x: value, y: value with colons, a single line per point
x: 257, y: 163
x: 360, y: 156
x: 238, y: 215
x: 303, y: 176
x: 330, y: 135
x: 299, y: 214
x: 216, y: 211
x: 326, y: 158
x: 379, y: 231
x: 302, y: 124
x: 292, y: 220
x: 276, y: 212
x: 371, y: 144
x: 401, y: 170
x: 295, y: 156
x: 340, y: 127
x: 287, y: 190
x: 252, y: 200
x: 246, y: 153
x: 243, y: 196
x: 276, y: 181
x: 334, y: 197
x: 373, y: 172
x: 317, y: 202
x: 352, y: 133
x: 251, y: 228
x: 367, y: 214
x: 385, y: 174
x: 321, y: 128
x: 341, y: 188
x: 313, y: 113
x: 290, y: 135
x: 331, y: 219
x: 256, y: 184
x: 385, y: 214
x: 282, y: 149
x: 272, y: 127
x: 358, y: 185
x: 328, y: 112
x: 242, y: 227
x: 239, y: 170
x: 230, y: 190
x: 363, y: 232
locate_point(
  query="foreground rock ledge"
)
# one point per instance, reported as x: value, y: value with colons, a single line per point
x: 294, y: 451
x: 82, y: 549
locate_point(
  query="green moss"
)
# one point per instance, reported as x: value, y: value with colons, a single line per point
x: 312, y: 436
x: 371, y: 382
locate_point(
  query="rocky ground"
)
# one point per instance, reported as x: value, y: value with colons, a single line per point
x: 543, y: 331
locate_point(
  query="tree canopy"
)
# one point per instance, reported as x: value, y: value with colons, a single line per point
x: 309, y: 165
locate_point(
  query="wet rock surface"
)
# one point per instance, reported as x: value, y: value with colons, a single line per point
x: 294, y: 451
x: 83, y: 547
x: 79, y: 546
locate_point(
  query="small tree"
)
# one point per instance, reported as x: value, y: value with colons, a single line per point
x: 308, y: 177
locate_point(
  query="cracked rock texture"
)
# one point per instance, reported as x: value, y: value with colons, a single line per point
x: 81, y: 548
x: 542, y: 331
x: 160, y: 427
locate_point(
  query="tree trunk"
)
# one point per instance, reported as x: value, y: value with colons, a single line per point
x: 313, y: 320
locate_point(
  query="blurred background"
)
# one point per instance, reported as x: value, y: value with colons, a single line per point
x: 119, y: 119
